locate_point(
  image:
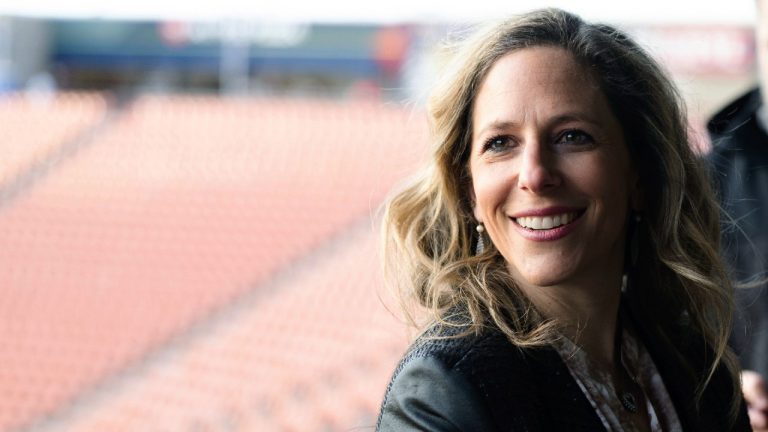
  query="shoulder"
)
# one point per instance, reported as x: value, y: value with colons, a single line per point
x: 738, y: 141
x: 459, y: 350
x: 735, y: 113
x: 444, y: 382
x: 428, y: 393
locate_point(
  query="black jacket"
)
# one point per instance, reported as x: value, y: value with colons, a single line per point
x: 739, y: 158
x: 485, y: 383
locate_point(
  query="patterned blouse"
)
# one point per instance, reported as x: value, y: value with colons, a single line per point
x: 598, y: 387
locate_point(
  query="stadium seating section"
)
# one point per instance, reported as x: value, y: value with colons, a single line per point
x: 178, y: 262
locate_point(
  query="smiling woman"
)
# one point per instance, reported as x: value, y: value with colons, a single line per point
x: 563, y: 245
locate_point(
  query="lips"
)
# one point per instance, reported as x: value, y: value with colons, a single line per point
x: 547, y: 219
x: 532, y: 225
x: 547, y: 222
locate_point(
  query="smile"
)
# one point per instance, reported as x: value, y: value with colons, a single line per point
x: 547, y: 222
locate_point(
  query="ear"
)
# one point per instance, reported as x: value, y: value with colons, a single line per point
x: 473, y: 203
x: 478, y: 218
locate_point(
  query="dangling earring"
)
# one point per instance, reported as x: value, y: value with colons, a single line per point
x: 480, y: 246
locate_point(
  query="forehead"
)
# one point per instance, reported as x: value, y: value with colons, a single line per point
x: 539, y: 81
x: 543, y: 61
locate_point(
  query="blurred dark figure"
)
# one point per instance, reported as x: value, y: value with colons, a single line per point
x: 739, y: 157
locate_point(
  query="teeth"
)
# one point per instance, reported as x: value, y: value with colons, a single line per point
x: 546, y: 222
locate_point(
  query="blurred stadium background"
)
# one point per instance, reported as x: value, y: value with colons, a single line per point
x: 188, y: 200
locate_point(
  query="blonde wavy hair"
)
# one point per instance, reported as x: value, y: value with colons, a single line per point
x: 428, y: 227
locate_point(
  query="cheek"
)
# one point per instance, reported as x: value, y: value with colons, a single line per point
x: 491, y: 190
x: 612, y: 191
x: 603, y: 177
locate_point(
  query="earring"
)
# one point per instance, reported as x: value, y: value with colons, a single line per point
x: 480, y: 246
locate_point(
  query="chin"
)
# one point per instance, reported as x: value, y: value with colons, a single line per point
x: 546, y: 271
x: 539, y: 279
x: 543, y: 282
x: 543, y: 276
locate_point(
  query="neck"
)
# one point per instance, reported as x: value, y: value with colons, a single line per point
x: 587, y: 314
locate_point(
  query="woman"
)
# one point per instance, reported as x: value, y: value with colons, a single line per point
x: 563, y: 246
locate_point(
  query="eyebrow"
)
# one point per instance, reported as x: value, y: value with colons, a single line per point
x: 499, y: 125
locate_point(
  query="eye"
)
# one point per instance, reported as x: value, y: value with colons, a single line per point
x: 574, y: 137
x: 498, y: 143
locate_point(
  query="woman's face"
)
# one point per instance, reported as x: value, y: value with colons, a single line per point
x: 551, y: 176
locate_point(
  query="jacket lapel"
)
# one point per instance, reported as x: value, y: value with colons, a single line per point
x: 532, y: 390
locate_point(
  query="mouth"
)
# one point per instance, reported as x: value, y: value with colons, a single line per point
x: 541, y: 223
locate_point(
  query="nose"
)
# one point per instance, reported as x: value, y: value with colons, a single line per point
x: 538, y: 172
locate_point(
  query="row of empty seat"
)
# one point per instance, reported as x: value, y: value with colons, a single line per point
x: 177, y: 211
x: 316, y: 354
x: 34, y: 126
